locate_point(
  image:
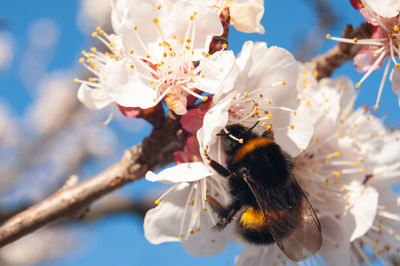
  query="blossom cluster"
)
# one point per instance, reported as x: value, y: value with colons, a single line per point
x: 345, y: 159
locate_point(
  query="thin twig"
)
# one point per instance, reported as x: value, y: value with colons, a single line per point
x: 154, y: 152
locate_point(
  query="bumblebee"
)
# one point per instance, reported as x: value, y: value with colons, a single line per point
x: 273, y: 208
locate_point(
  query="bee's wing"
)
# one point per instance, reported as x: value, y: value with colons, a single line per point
x: 306, y: 237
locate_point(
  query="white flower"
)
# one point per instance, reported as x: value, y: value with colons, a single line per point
x: 245, y: 14
x: 382, y: 238
x: 159, y: 44
x: 264, y: 91
x: 384, y: 16
x: 182, y: 213
x: 333, y: 170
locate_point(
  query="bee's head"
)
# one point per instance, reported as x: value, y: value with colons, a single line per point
x: 235, y: 137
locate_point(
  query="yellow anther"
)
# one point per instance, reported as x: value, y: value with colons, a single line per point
x: 339, y: 133
x: 98, y: 28
x: 94, y: 34
x: 198, y: 229
x: 283, y: 82
x: 188, y: 40
x: 174, y: 37
x: 103, y: 124
x: 241, y: 141
x: 270, y: 101
x: 101, y: 32
x: 180, y: 236
x: 358, y: 85
x: 328, y: 36
x: 132, y: 66
x: 81, y: 60
x: 397, y: 65
x: 291, y: 127
x: 164, y: 54
x: 203, y: 76
x: 342, y: 189
x: 147, y: 56
x: 155, y: 20
x: 329, y: 157
x: 111, y: 44
x: 355, y: 39
x: 337, y: 153
x: 90, y: 79
x: 246, y: 94
x: 159, y: 7
x: 376, y: 106
x: 154, y: 88
x: 191, y: 17
x: 157, y: 202
x: 355, y: 163
x: 315, y: 73
x: 224, y: 46
x: 76, y: 80
x: 362, y: 169
x: 135, y: 28
x: 316, y: 139
x: 269, y: 116
x: 205, y: 98
x: 131, y: 51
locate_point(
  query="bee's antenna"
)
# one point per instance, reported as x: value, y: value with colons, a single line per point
x: 250, y: 129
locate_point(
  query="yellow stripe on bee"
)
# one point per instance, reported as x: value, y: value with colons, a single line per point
x: 250, y: 146
x: 252, y: 219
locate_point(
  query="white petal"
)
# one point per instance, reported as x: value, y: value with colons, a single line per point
x: 184, y: 172
x: 362, y: 213
x: 215, y: 70
x: 207, y: 242
x: 125, y: 85
x: 246, y: 16
x: 162, y: 223
x: 384, y: 8
x: 177, y: 21
x: 395, y: 79
x: 93, y: 98
x: 295, y: 140
x: 214, y: 121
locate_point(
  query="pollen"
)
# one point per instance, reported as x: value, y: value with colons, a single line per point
x: 157, y: 202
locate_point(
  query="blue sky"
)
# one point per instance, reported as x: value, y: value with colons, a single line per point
x: 119, y: 240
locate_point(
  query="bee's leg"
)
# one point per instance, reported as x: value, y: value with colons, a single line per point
x: 225, y: 214
x: 216, y: 166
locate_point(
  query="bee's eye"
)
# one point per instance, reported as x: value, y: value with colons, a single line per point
x: 230, y: 145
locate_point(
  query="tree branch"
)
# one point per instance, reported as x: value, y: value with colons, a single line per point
x: 154, y: 152
x: 325, y: 64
